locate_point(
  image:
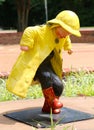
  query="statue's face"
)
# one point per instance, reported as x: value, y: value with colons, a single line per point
x: 60, y: 32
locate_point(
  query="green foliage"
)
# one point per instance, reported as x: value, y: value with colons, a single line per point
x: 34, y: 92
x: 76, y: 84
x: 84, y: 8
x: 5, y: 95
x: 79, y: 84
x: 1, y: 1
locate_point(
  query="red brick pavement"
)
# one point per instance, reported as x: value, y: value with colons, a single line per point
x: 82, y: 58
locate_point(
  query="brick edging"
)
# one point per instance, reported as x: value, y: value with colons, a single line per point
x: 66, y: 71
x: 14, y: 37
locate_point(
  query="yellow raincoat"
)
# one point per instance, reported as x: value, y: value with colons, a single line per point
x: 41, y: 41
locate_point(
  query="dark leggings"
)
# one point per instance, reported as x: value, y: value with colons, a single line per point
x: 48, y: 78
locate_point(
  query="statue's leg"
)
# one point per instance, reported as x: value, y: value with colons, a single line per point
x: 52, y: 88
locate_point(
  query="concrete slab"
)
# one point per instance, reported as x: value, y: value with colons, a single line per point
x: 85, y: 104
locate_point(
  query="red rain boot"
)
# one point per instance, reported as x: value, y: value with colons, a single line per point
x: 51, y: 101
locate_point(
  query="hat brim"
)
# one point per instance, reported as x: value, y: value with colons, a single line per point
x: 66, y: 27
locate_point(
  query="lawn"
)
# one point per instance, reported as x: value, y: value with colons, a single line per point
x: 76, y: 84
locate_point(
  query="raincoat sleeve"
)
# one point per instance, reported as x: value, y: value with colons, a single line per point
x: 28, y: 37
x: 24, y: 69
x: 67, y: 44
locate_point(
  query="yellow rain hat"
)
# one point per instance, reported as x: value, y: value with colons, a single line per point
x: 68, y: 20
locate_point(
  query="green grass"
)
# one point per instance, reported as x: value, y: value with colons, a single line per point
x: 79, y: 84
x: 76, y: 84
x: 53, y: 124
